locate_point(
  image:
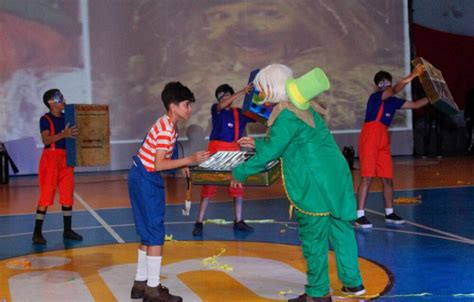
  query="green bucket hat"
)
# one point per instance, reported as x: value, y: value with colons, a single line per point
x: 303, y: 89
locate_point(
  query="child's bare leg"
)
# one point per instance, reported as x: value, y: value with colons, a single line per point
x: 198, y: 226
x: 363, y: 191
x: 238, y: 202
x: 239, y: 223
x: 388, y: 192
x: 202, y: 209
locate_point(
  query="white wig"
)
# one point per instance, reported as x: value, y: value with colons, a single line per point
x: 271, y: 80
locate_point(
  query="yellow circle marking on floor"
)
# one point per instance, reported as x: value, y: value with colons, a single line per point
x: 99, y: 267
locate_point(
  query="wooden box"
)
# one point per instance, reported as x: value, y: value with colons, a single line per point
x: 435, y: 87
x: 217, y: 170
x: 91, y: 146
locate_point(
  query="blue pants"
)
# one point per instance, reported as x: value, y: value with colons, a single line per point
x: 147, y: 197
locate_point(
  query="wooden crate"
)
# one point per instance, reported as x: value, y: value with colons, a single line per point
x: 91, y: 146
x: 435, y: 87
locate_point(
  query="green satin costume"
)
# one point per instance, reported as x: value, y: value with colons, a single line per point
x: 318, y: 183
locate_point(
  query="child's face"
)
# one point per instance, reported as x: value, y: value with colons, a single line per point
x: 223, y: 95
x: 183, y: 110
x: 56, y: 105
x: 384, y: 84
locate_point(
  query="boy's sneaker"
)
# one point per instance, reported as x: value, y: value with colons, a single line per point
x: 71, y: 235
x: 197, y: 231
x: 159, y: 294
x: 353, y: 291
x: 242, y: 226
x: 306, y: 298
x: 138, y: 289
x: 38, y: 238
x: 363, y: 222
x: 394, y: 218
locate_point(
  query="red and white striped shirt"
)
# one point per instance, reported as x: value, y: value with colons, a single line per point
x: 162, y: 136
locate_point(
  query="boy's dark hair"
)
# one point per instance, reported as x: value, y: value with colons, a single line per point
x: 382, y: 75
x: 175, y: 93
x: 222, y: 89
x: 49, y: 95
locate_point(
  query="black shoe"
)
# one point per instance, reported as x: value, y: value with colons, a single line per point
x: 242, y: 226
x: 197, y: 231
x: 363, y: 222
x: 71, y: 235
x: 38, y: 238
x: 306, y: 298
x: 138, y: 289
x: 159, y: 294
x: 394, y: 218
x: 353, y: 291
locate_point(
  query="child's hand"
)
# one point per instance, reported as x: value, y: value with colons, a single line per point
x: 69, y: 131
x: 248, y: 88
x: 186, y: 172
x: 419, y: 69
x: 200, y: 156
x: 246, y: 142
x: 235, y: 184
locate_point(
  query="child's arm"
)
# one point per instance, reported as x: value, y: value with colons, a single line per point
x: 162, y: 164
x: 67, y: 132
x: 416, y: 104
x: 419, y: 69
x: 230, y: 99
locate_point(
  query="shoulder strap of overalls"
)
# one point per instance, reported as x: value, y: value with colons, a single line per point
x: 51, y: 130
x: 380, y: 113
x: 236, y: 123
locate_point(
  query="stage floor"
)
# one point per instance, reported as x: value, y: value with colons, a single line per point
x: 427, y: 259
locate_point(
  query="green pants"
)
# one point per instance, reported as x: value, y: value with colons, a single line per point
x: 315, y: 233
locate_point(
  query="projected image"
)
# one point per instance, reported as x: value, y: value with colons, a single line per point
x: 204, y: 44
x: 122, y: 53
x: 40, y: 48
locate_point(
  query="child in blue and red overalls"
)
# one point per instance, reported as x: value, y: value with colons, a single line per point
x: 228, y: 125
x: 374, y: 142
x: 53, y: 172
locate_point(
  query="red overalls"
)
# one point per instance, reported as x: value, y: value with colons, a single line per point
x: 53, y: 172
x: 213, y: 147
x: 374, y: 149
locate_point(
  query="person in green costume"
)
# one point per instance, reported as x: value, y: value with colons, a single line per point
x: 315, y: 174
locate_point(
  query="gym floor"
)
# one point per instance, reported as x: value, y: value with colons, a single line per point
x: 430, y: 258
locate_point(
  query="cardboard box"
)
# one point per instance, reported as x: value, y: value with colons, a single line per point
x: 435, y: 87
x: 91, y: 146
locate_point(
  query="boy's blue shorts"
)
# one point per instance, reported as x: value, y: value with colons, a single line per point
x: 147, y: 197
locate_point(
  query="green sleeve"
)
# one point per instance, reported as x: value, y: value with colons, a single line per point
x: 268, y: 149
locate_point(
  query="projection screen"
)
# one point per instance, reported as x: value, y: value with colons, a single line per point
x: 122, y: 53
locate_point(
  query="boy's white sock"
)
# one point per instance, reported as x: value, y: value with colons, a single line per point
x: 388, y: 211
x: 360, y: 213
x: 153, y: 267
x: 142, y: 274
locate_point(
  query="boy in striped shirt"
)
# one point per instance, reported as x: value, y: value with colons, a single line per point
x: 147, y: 194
